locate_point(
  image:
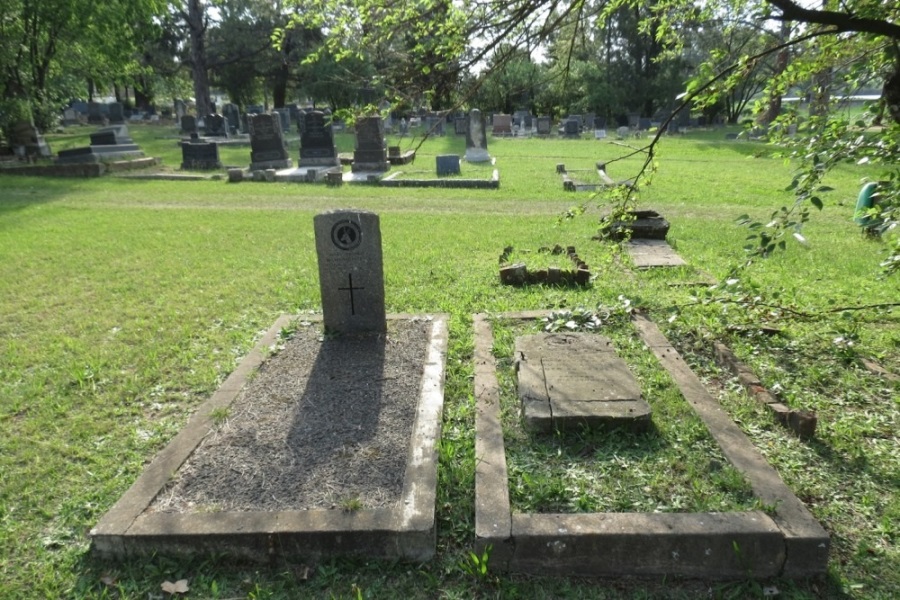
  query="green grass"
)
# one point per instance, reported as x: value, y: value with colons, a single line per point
x: 124, y: 303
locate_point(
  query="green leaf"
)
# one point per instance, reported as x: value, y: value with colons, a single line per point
x: 817, y: 202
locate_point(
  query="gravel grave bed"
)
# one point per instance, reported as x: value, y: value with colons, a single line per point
x: 325, y: 423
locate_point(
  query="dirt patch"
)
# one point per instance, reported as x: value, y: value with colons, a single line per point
x: 324, y: 424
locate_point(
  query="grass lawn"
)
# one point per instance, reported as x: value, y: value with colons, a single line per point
x: 123, y: 304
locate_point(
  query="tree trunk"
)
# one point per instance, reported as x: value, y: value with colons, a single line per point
x: 781, y: 62
x: 279, y: 86
x: 197, y: 29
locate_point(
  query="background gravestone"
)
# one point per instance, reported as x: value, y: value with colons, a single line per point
x: 116, y: 113
x: 188, y: 124
x: 317, y: 141
x: 284, y: 115
x: 371, y: 152
x: 232, y: 113
x: 351, y: 272
x: 447, y: 164
x: 267, y: 150
x: 476, y: 139
x: 543, y: 126
x: 502, y: 125
x: 27, y: 141
x: 572, y: 128
x: 216, y: 125
x: 198, y: 154
x: 95, y: 114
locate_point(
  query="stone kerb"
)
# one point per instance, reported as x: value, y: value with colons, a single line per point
x: 785, y: 542
x: 406, y: 531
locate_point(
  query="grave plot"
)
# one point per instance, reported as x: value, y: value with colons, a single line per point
x: 322, y: 442
x: 449, y: 172
x: 689, y: 496
x: 544, y: 267
x: 588, y: 180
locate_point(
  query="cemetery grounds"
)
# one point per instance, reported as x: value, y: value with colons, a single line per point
x: 126, y: 302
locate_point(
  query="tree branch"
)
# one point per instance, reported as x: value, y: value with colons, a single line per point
x: 839, y: 20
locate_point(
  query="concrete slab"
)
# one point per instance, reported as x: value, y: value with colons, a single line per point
x: 647, y: 253
x: 363, y: 176
x: 404, y: 531
x: 786, y: 541
x: 569, y: 380
x: 304, y: 174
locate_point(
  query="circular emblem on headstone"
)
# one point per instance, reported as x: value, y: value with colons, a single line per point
x: 346, y: 235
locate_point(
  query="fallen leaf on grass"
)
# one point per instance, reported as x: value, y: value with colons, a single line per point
x: 179, y: 587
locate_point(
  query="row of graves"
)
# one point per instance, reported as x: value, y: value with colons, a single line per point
x: 331, y: 446
x: 319, y: 160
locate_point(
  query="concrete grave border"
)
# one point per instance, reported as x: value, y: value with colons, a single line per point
x: 407, y: 531
x: 786, y: 542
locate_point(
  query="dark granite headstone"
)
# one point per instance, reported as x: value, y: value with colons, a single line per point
x: 447, y: 164
x: 461, y: 126
x: 370, y: 153
x: 95, y: 114
x: 644, y: 124
x: 434, y: 126
x: 476, y: 138
x: 216, y: 125
x: 70, y: 117
x: 267, y: 149
x: 570, y: 380
x: 232, y: 113
x: 198, y: 154
x: 572, y: 128
x: 116, y: 113
x: 351, y: 271
x: 317, y: 142
x: 188, y: 124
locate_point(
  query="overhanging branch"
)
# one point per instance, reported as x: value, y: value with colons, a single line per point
x: 841, y: 21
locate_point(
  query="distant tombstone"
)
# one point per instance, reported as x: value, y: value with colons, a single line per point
x: 216, y: 125
x: 634, y: 120
x: 404, y: 126
x: 255, y: 109
x: 245, y: 123
x: 370, y: 153
x: 70, y: 117
x: 180, y: 109
x: 544, y: 126
x: 589, y: 121
x: 502, y: 125
x: 212, y: 107
x: 476, y: 138
x: 644, y: 123
x: 434, y: 126
x: 572, y: 128
x: 285, y: 115
x: 188, y: 124
x: 116, y: 113
x: 351, y: 271
x: 317, y: 142
x: 528, y: 121
x: 80, y: 107
x: 95, y: 114
x: 198, y: 154
x: 232, y: 113
x: 301, y: 121
x: 267, y: 150
x: 567, y: 381
x: 599, y: 134
x: 461, y: 126
x: 623, y: 131
x: 27, y: 141
x: 447, y: 164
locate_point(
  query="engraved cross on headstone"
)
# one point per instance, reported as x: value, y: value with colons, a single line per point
x: 350, y: 289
